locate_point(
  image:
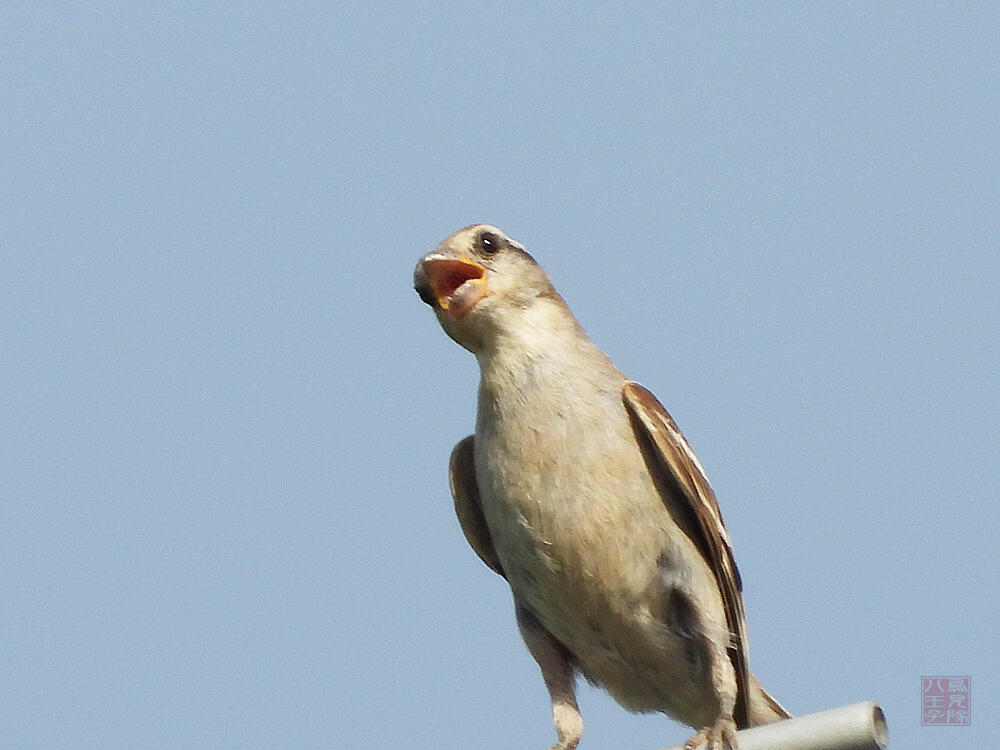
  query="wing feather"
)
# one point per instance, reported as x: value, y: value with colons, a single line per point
x: 680, y: 468
x: 465, y: 493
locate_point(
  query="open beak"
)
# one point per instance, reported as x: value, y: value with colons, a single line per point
x: 455, y: 285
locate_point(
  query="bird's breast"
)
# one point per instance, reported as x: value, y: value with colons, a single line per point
x: 571, y: 509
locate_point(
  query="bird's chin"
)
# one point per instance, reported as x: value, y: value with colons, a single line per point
x: 466, y: 330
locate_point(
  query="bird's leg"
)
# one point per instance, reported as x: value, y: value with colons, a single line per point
x: 721, y: 735
x: 557, y: 672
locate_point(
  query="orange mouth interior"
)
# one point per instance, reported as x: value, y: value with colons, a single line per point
x: 446, y: 277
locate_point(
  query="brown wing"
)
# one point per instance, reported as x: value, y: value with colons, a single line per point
x: 465, y: 492
x: 680, y: 468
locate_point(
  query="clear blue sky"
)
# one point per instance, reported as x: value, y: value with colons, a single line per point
x: 227, y: 417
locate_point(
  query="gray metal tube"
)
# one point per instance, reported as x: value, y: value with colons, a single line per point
x: 860, y: 726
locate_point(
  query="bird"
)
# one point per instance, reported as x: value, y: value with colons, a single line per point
x: 578, y: 488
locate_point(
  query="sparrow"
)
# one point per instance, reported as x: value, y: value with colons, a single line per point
x: 579, y: 489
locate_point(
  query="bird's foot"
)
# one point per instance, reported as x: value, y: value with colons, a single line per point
x: 719, y: 736
x: 569, y: 725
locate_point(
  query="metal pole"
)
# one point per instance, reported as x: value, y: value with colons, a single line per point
x: 860, y: 726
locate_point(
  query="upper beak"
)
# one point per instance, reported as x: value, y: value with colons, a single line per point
x: 454, y: 285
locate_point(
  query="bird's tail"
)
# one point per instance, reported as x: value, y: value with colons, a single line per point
x: 763, y: 709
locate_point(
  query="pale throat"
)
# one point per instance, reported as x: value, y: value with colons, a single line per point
x: 530, y: 344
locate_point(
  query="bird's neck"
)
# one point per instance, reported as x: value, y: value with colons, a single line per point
x: 544, y: 347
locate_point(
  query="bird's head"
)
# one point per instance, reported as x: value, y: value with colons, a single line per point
x: 479, y: 282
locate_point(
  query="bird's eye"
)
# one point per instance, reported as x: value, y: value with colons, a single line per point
x: 489, y: 243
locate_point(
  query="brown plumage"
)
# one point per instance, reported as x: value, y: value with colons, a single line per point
x: 579, y: 489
